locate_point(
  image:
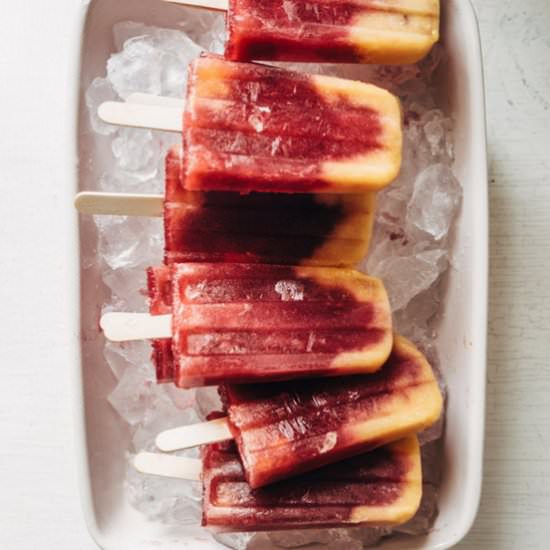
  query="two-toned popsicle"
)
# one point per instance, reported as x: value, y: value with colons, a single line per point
x: 255, y: 322
x: 382, y: 487
x: 333, y: 31
x: 250, y: 127
x: 286, y: 428
x: 276, y: 228
x: 379, y: 488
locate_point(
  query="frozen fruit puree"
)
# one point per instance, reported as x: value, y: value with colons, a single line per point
x: 276, y: 228
x: 379, y: 488
x: 286, y: 428
x: 353, y: 31
x: 248, y: 322
x: 250, y: 127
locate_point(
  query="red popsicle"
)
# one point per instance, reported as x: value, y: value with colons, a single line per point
x: 246, y: 322
x: 333, y: 31
x: 286, y: 428
x: 290, y: 229
x: 382, y: 487
x: 250, y: 127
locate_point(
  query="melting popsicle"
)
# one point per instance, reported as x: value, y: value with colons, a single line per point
x: 332, y: 31
x: 247, y: 323
x: 287, y: 428
x: 250, y: 127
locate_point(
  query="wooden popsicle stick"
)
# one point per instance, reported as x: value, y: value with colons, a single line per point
x: 180, y: 467
x: 139, y: 115
x: 151, y: 99
x: 119, y: 204
x: 125, y: 327
x: 194, y: 435
x: 213, y: 5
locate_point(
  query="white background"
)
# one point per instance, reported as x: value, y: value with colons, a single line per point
x: 39, y: 503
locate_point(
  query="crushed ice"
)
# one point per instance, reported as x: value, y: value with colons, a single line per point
x: 409, y: 251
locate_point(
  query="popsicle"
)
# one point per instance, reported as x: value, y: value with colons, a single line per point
x: 382, y: 487
x: 250, y: 322
x: 287, y: 428
x: 333, y: 31
x: 279, y: 228
x: 250, y: 127
x: 379, y: 488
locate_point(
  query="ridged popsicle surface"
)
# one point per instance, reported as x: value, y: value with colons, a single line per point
x: 334, y: 31
x: 382, y: 487
x: 250, y: 127
x: 286, y: 428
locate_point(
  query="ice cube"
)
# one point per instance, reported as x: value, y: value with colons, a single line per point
x: 172, y: 501
x: 416, y: 320
x: 127, y: 286
x: 136, y: 150
x: 435, y: 201
x: 120, y: 357
x: 215, y: 36
x: 134, y: 393
x: 98, y: 91
x: 120, y: 180
x: 181, y: 398
x: 207, y: 29
x: 407, y: 276
x: 161, y: 415
x: 136, y: 68
x: 152, y: 60
x: 129, y: 241
x: 173, y: 75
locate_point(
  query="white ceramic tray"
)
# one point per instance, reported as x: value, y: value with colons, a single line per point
x: 104, y: 438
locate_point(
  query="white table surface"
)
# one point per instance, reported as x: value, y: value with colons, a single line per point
x: 39, y: 503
